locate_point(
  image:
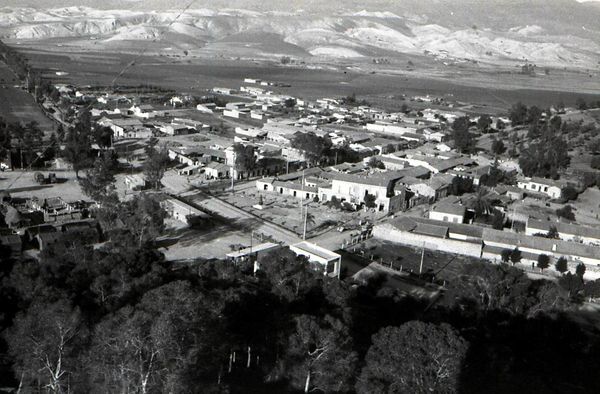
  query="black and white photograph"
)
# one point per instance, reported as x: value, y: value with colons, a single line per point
x: 300, y: 196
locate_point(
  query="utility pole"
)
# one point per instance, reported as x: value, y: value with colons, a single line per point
x: 251, y: 240
x: 302, y: 195
x: 422, y: 258
x: 305, y: 220
x: 232, y: 171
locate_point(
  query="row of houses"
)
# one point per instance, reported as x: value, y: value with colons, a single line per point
x: 130, y: 127
x: 44, y: 236
x: 486, y: 243
x: 384, y: 190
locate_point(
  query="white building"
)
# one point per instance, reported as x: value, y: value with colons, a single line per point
x: 448, y: 213
x: 330, y: 262
x: 540, y: 185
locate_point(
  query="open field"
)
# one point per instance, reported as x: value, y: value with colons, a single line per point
x: 467, y: 83
x: 16, y: 105
x: 22, y: 184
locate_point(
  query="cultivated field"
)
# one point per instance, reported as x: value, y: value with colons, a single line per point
x: 466, y: 83
x: 16, y: 105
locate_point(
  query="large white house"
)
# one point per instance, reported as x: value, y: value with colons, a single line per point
x: 540, y: 185
x: 355, y: 188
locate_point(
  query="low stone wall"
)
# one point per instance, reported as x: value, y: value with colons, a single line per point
x: 389, y: 233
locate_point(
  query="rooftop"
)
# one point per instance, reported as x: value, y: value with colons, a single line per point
x: 453, y: 209
x: 253, y: 249
x: 317, y: 250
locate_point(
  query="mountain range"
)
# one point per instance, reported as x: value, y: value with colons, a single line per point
x: 555, y: 33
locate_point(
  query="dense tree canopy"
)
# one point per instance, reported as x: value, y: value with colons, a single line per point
x: 545, y: 158
x: 416, y: 357
x: 315, y: 148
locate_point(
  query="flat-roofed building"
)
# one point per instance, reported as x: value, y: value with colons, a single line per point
x: 330, y: 262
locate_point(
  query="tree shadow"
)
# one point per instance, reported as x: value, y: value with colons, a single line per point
x: 544, y: 354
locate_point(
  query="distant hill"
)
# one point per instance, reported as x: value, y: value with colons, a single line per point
x: 557, y: 33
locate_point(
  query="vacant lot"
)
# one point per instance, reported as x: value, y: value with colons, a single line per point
x: 445, y: 266
x: 21, y: 184
x: 16, y: 105
x: 285, y: 210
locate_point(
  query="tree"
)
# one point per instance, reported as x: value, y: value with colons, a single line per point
x: 561, y: 265
x: 580, y: 270
x: 534, y: 114
x: 370, y: 200
x: 43, y: 342
x: 99, y: 182
x: 482, y: 203
x: 580, y: 104
x: 374, y: 162
x: 518, y: 114
x: 460, y: 133
x: 318, y: 355
x: 461, y: 185
x: 500, y: 124
x: 553, y: 233
x: 77, y: 148
x: 545, y: 158
x: 543, y: 261
x: 569, y: 193
x: 155, y: 166
x: 314, y: 147
x: 505, y: 255
x: 416, y: 357
x: 592, y: 289
x: 483, y: 123
x: 245, y: 160
x: 566, y: 212
x: 498, y: 147
x: 289, y: 276
x: 515, y: 256
x: 290, y: 102
x: 595, y: 164
x: 103, y: 136
x: 389, y: 148
x: 138, y: 221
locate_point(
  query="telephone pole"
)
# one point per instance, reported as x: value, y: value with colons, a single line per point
x: 422, y: 258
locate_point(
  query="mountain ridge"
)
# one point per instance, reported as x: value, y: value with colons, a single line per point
x: 457, y: 36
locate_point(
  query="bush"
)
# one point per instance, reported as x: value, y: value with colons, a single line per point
x: 561, y: 265
x: 566, y: 212
x: 569, y: 193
